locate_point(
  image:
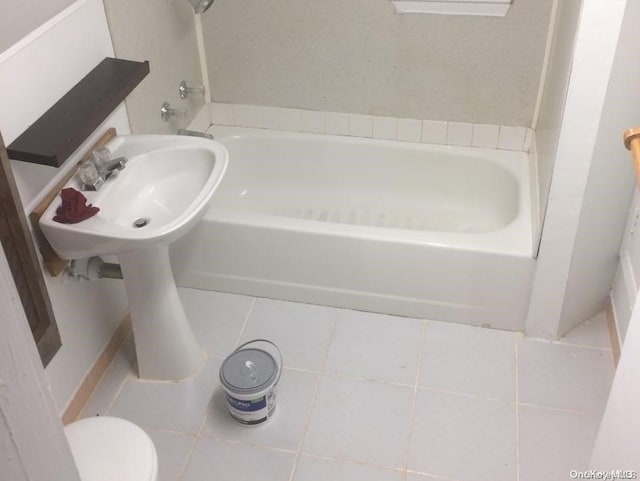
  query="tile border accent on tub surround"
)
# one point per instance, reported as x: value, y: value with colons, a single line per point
x: 461, y: 134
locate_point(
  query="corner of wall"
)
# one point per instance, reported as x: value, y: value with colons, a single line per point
x: 536, y: 201
x: 574, y: 158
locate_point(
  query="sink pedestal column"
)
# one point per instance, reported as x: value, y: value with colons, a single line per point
x: 166, y: 347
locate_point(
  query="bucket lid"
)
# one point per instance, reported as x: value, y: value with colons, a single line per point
x: 248, y: 371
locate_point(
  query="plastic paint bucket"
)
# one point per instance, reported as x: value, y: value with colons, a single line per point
x: 249, y: 376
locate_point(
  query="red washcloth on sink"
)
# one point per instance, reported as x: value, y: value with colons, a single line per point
x: 74, y: 207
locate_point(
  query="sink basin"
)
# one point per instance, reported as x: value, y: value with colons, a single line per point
x: 159, y: 196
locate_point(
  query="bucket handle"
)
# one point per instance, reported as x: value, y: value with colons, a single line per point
x: 276, y: 348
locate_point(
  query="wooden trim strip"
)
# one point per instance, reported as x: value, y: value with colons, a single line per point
x: 97, y: 372
x: 613, y: 333
x: 631, y: 139
x: 53, y: 263
x: 25, y: 264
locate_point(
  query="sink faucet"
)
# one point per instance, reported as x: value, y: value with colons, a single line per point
x: 112, y: 165
x: 94, y: 172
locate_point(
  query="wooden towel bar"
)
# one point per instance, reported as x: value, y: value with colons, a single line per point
x: 632, y: 142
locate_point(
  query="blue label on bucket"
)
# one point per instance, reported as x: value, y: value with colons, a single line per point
x: 247, y: 406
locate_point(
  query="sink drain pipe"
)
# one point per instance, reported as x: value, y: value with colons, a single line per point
x: 92, y: 269
x: 109, y: 270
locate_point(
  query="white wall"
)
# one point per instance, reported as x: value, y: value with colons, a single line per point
x: 591, y: 186
x: 609, y: 187
x: 32, y: 443
x: 19, y: 17
x: 34, y: 74
x: 627, y: 282
x: 618, y: 443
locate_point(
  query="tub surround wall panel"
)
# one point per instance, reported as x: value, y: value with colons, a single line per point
x: 163, y: 33
x: 202, y: 120
x: 360, y: 57
x: 32, y: 78
x: 556, y: 84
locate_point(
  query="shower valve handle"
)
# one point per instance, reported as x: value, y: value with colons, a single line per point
x: 166, y: 112
x: 184, y: 90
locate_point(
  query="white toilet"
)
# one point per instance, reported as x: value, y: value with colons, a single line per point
x: 107, y: 449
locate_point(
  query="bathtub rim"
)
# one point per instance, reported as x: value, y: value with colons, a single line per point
x: 516, y: 238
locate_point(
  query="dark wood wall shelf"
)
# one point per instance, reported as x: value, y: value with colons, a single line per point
x: 52, y: 138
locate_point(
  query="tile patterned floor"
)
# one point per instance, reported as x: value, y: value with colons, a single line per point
x: 372, y: 397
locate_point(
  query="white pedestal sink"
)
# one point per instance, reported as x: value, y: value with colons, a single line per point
x: 161, y: 194
x: 165, y: 345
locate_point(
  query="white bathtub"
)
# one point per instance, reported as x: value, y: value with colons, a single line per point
x: 408, y: 229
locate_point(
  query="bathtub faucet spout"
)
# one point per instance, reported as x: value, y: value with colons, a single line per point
x: 194, y: 133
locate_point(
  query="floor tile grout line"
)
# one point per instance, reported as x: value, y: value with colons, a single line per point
x: 187, y: 461
x: 259, y: 445
x: 237, y: 442
x: 245, y: 322
x: 298, y: 452
x: 350, y: 377
x: 198, y: 434
x: 560, y: 410
x: 354, y: 462
x: 244, y: 442
x: 517, y: 376
x: 314, y: 398
x: 112, y: 399
x: 197, y: 438
x: 566, y: 344
x: 421, y: 347
x: 369, y: 379
x: 435, y: 476
x: 172, y: 431
x: 466, y: 395
x: 581, y: 346
x: 129, y: 375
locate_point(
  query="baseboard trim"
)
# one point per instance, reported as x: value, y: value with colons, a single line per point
x: 95, y: 374
x: 613, y: 333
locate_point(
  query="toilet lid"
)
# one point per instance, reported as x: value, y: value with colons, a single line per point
x: 107, y: 449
